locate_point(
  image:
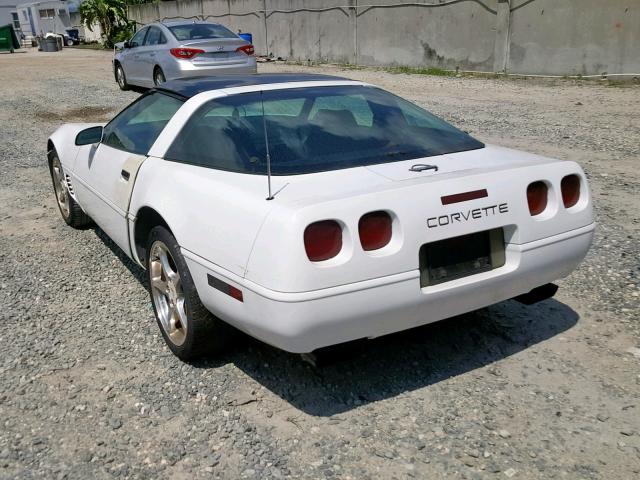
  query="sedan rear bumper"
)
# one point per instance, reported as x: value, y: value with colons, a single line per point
x: 304, y: 321
x: 188, y: 69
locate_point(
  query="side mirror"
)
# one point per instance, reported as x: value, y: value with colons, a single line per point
x: 89, y: 136
x: 127, y: 44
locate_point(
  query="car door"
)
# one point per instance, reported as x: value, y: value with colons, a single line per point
x: 107, y: 175
x: 130, y: 57
x: 148, y: 53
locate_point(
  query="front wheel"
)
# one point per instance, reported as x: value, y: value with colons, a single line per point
x: 121, y: 78
x: 71, y: 212
x: 187, y: 327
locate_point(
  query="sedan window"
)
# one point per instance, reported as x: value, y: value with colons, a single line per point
x: 138, y: 38
x: 313, y: 130
x: 153, y: 37
x: 201, y: 31
x: 138, y: 126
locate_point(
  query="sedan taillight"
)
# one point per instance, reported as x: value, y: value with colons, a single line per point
x: 537, y: 193
x: 570, y: 187
x: 185, y: 53
x: 375, y: 231
x: 323, y: 240
x: 248, y: 49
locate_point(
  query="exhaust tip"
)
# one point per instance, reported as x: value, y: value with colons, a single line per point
x: 538, y: 294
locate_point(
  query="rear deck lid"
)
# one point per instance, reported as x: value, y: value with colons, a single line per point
x: 490, y: 157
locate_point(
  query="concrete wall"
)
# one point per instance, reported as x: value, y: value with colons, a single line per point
x: 576, y: 37
x: 519, y: 36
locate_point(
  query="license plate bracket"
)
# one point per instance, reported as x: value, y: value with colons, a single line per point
x: 458, y: 257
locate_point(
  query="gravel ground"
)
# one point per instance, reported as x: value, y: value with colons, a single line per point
x: 88, y: 389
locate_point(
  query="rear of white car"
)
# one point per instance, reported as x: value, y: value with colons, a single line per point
x: 298, y: 304
x: 346, y: 253
x: 309, y: 211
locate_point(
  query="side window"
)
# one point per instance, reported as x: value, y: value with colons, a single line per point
x: 354, y: 104
x: 138, y: 38
x: 153, y: 37
x: 162, y: 40
x: 138, y: 126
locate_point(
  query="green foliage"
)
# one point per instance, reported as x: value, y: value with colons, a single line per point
x: 111, y: 15
x: 123, y: 33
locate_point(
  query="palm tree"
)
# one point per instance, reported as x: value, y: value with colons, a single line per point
x: 109, y: 14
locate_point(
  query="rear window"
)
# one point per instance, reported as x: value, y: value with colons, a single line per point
x: 201, y: 31
x: 313, y: 130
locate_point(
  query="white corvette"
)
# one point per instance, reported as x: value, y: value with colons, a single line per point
x: 309, y: 210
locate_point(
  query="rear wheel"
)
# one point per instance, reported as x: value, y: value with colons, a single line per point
x: 71, y: 212
x: 158, y: 76
x: 121, y: 78
x: 188, y: 328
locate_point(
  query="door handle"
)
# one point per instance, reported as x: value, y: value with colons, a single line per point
x: 124, y: 174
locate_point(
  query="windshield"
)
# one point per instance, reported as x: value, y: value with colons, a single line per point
x: 201, y: 31
x: 313, y: 130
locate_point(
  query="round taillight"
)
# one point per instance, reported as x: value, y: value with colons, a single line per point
x: 375, y: 231
x: 570, y: 187
x: 323, y: 240
x: 537, y: 193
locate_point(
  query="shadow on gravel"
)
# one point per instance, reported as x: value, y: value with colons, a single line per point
x: 136, y: 271
x: 356, y: 373
x: 360, y: 372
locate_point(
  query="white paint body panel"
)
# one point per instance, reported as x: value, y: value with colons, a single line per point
x: 226, y: 228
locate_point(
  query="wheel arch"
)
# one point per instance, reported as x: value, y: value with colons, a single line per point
x: 146, y: 219
x: 51, y: 150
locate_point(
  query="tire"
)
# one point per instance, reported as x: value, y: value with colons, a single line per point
x: 121, y: 78
x: 158, y: 77
x: 187, y: 327
x: 71, y: 212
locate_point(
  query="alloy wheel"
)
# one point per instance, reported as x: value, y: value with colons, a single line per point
x: 120, y: 77
x: 158, y: 77
x: 60, y: 187
x: 167, y: 293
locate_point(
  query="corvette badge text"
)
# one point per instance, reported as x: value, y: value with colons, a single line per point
x: 474, y: 214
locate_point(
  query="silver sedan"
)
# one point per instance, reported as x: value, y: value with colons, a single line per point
x: 168, y: 50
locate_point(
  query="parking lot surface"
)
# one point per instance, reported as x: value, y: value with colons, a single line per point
x: 89, y: 390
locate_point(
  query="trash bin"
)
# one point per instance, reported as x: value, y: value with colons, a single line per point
x: 8, y: 39
x: 50, y: 44
x: 246, y: 36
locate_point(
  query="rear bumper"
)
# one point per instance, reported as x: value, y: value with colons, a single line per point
x: 183, y: 69
x: 305, y: 321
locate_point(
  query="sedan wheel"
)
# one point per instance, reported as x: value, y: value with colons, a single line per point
x: 121, y: 78
x: 168, y: 297
x: 187, y: 327
x: 158, y: 77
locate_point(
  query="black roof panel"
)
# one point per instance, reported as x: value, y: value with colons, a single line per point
x: 188, y: 87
